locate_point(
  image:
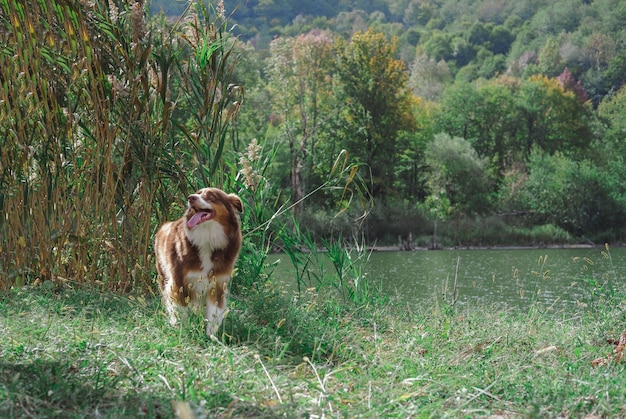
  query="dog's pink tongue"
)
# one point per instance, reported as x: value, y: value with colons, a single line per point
x: 197, y: 218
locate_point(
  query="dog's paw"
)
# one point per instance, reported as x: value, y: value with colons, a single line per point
x: 211, y: 328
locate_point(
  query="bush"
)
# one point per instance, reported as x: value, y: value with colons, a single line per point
x: 458, y: 176
x: 383, y: 225
x: 571, y: 195
x: 494, y: 231
x: 389, y: 221
x: 548, y: 233
x: 328, y: 225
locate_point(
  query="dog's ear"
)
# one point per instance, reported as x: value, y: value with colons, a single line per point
x: 235, y: 202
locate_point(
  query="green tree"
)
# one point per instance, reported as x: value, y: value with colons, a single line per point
x: 559, y: 16
x: 439, y: 46
x: 428, y: 78
x: 613, y: 147
x: 485, y: 114
x: 553, y: 117
x: 479, y: 33
x: 550, y: 62
x: 301, y: 85
x: 573, y: 195
x: 612, y: 111
x: 500, y: 40
x: 418, y: 12
x: 505, y: 118
x: 457, y: 176
x: 378, y: 104
x: 409, y: 182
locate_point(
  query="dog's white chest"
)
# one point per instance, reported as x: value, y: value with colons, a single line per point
x: 208, y: 236
x: 200, y: 282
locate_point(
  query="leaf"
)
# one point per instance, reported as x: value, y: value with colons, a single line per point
x: 618, y: 351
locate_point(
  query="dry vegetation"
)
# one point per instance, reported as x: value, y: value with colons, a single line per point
x: 97, y: 139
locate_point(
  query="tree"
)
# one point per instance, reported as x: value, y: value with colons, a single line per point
x: 611, y: 110
x: 300, y: 80
x: 456, y: 176
x: 500, y: 40
x: 485, y: 114
x: 573, y: 195
x: 505, y: 118
x: 549, y: 59
x: 439, y: 46
x: 378, y: 104
x: 555, y: 119
x: 613, y: 147
x: 479, y: 33
x: 428, y: 77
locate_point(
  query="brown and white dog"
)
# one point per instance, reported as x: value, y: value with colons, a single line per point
x: 195, y: 256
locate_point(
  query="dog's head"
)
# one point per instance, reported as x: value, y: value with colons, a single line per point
x: 212, y: 205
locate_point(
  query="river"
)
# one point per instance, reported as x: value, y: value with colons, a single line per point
x: 556, y: 279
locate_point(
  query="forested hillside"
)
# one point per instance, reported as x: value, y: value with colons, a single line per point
x: 476, y: 38
x: 503, y: 111
x: 458, y: 123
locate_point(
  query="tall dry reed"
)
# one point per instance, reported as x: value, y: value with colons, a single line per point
x: 108, y: 117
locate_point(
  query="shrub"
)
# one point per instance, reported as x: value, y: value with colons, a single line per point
x: 571, y: 195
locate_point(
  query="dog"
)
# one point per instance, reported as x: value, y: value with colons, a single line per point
x: 196, y: 254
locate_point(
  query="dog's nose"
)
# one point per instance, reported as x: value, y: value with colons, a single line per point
x: 192, y: 198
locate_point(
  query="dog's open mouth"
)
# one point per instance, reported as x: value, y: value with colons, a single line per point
x: 199, y: 217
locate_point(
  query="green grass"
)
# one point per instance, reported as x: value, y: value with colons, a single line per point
x: 79, y: 353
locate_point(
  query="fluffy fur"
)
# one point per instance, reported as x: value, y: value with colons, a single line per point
x: 195, y: 256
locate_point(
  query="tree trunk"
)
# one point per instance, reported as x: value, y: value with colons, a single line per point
x: 296, y: 184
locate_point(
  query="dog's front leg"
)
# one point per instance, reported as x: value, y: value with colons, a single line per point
x: 176, y: 311
x: 213, y: 316
x: 216, y: 309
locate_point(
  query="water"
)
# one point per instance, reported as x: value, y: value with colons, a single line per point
x: 554, y: 278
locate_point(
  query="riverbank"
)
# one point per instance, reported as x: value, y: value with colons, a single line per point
x: 396, y: 248
x: 502, y: 247
x: 77, y: 353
